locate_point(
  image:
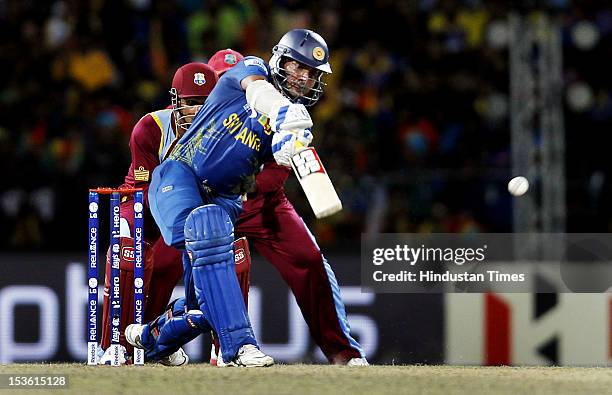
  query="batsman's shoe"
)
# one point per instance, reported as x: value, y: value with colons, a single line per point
x: 357, y: 362
x: 108, y: 357
x: 177, y: 358
x: 251, y: 357
x: 133, y: 333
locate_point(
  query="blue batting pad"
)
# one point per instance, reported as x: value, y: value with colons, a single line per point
x: 209, y: 236
x: 174, y: 333
x: 191, y: 301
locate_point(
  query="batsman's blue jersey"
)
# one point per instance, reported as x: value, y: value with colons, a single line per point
x: 227, y: 141
x: 200, y: 184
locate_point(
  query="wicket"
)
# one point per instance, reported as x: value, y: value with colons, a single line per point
x: 115, y: 301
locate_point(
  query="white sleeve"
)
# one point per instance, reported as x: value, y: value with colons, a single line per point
x: 263, y: 97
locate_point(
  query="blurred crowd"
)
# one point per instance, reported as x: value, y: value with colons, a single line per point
x: 413, y: 127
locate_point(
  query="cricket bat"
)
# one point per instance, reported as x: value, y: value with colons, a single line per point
x: 315, y: 182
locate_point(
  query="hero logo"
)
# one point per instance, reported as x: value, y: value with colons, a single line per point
x: 127, y: 253
x: 307, y: 162
x: 239, y: 256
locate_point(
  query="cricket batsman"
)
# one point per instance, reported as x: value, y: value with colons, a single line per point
x: 195, y: 194
x: 273, y: 227
x: 152, y: 138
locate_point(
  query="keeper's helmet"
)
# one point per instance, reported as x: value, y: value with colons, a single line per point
x: 224, y: 60
x: 191, y: 84
x: 307, y: 48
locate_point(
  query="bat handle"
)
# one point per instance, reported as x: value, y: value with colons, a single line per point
x: 299, y: 147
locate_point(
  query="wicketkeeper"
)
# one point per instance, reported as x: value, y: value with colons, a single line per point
x: 152, y: 138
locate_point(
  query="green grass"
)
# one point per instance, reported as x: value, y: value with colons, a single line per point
x: 320, y: 379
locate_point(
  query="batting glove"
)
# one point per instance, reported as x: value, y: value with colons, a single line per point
x: 285, y: 144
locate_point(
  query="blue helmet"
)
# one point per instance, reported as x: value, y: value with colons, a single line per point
x: 307, y: 48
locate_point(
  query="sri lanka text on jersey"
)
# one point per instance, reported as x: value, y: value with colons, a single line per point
x: 246, y: 136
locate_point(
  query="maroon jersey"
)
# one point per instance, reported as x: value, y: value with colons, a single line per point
x: 152, y: 137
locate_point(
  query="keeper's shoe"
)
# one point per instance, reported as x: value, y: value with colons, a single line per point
x: 133, y: 333
x: 216, y: 359
x: 250, y: 356
x: 177, y: 358
x: 357, y: 362
x: 213, y: 356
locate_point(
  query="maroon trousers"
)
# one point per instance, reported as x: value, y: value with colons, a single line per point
x: 279, y: 234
